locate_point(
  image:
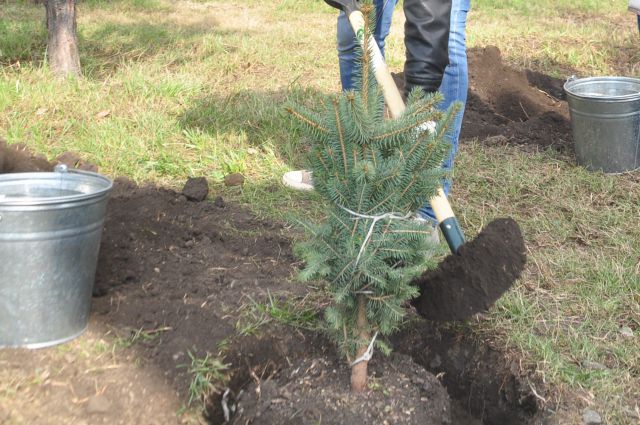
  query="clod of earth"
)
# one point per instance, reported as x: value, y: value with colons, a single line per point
x: 235, y: 179
x: 219, y: 202
x: 472, y: 280
x: 16, y: 159
x: 196, y: 189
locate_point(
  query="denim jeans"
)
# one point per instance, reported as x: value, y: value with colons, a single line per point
x: 455, y: 80
x: 454, y: 86
x: 347, y: 45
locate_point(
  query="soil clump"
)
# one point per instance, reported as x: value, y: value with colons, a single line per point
x: 475, y: 277
x: 507, y: 105
x: 196, y: 189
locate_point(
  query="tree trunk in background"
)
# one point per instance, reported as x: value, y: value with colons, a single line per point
x: 62, y: 44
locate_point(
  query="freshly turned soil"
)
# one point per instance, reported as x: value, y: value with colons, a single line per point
x: 316, y: 390
x: 506, y: 105
x: 474, y: 278
x: 17, y: 159
x: 524, y: 107
x: 185, y: 275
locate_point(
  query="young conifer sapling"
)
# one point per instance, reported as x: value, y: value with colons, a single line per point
x: 374, y: 174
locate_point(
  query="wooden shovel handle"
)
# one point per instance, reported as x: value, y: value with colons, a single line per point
x: 392, y: 96
x: 439, y: 203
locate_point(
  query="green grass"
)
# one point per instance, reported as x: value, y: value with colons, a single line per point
x: 300, y: 313
x: 550, y: 7
x: 199, y: 88
x: 582, y: 284
x: 208, y: 375
x: 561, y: 38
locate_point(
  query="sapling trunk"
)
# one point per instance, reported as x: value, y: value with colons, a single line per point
x: 373, y: 174
x: 359, y: 376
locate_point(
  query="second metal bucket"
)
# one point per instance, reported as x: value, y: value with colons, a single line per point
x: 605, y: 119
x: 50, y: 231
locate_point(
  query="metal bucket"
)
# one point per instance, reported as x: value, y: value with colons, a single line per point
x: 50, y: 230
x: 605, y: 119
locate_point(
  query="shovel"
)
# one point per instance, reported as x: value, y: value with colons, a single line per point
x: 476, y: 273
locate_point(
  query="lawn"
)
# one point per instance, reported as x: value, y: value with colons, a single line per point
x: 172, y: 89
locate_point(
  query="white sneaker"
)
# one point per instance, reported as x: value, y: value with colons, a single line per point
x: 298, y: 180
x: 634, y: 6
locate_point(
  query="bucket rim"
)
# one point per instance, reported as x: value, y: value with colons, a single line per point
x: 573, y: 81
x: 107, y: 185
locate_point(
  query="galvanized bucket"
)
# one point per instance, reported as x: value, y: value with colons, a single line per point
x: 605, y: 119
x: 50, y: 230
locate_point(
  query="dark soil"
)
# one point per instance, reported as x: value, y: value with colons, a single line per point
x: 18, y: 159
x: 506, y: 105
x: 186, y: 269
x: 474, y: 278
x: 481, y: 379
x: 185, y: 274
x: 524, y: 107
x: 196, y: 189
x: 316, y: 390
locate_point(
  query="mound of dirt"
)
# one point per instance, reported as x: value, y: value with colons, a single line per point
x: 506, y: 105
x: 18, y: 158
x: 317, y: 391
x: 186, y: 270
x: 524, y: 107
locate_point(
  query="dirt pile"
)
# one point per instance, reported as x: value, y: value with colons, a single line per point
x: 506, y: 105
x: 186, y: 271
x: 476, y: 277
x: 17, y: 158
x: 524, y: 107
x: 177, y: 278
x: 317, y: 391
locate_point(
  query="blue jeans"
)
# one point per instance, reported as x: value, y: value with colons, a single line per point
x: 455, y: 80
x: 454, y: 85
x: 347, y: 44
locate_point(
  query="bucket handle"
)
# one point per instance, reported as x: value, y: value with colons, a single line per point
x: 63, y: 168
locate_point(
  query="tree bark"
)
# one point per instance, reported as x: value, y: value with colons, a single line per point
x: 62, y: 44
x: 359, y: 374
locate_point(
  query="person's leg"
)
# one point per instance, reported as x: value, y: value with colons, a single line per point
x: 347, y: 44
x: 454, y: 84
x: 302, y: 179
